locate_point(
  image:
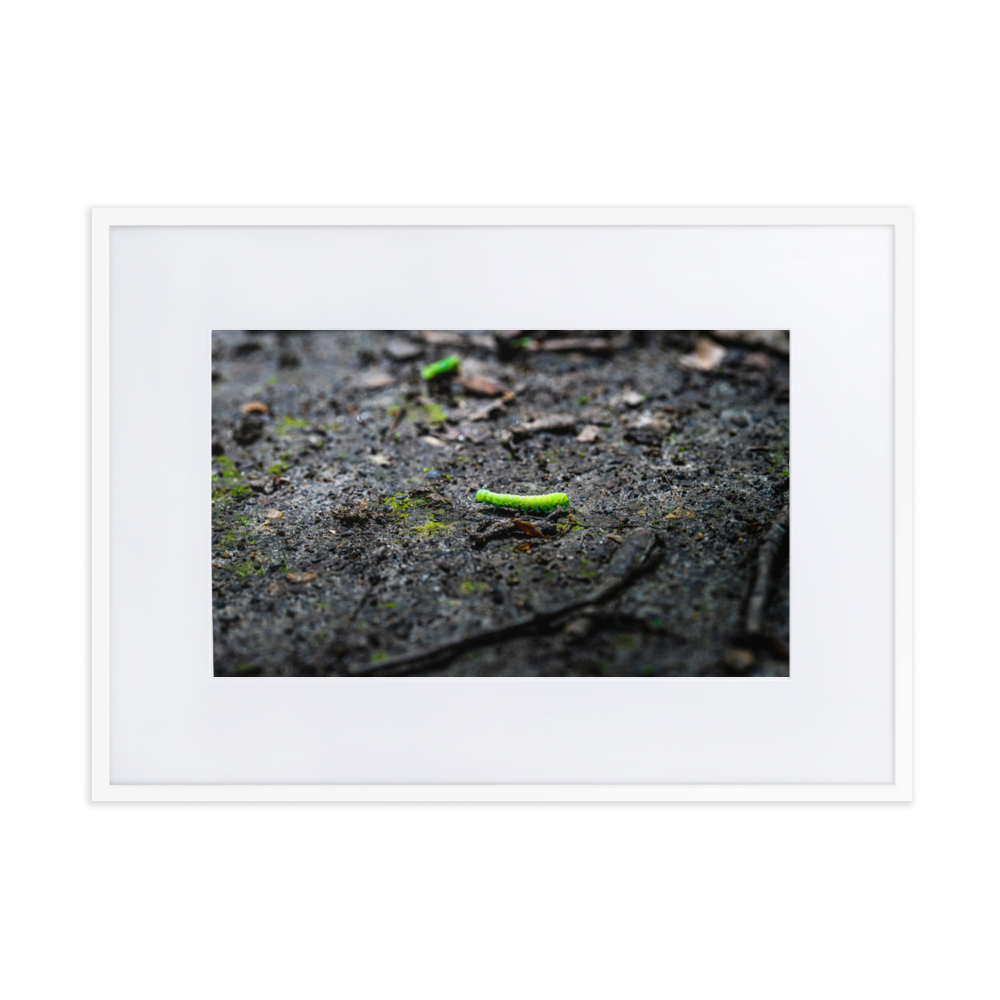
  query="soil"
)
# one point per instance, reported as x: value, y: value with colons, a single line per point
x: 346, y: 537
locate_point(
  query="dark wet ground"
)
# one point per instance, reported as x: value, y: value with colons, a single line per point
x: 345, y: 534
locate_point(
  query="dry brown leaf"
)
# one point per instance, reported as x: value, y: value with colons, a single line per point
x: 528, y: 528
x: 300, y: 577
x: 706, y: 356
x: 255, y: 407
x: 479, y: 385
x: 524, y: 548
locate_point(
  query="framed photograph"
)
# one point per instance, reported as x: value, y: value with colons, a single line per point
x: 500, y: 504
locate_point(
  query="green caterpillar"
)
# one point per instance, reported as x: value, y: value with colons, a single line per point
x: 446, y: 366
x: 548, y: 501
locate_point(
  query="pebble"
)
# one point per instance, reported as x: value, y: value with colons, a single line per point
x: 738, y: 660
x: 577, y: 629
x: 249, y: 429
x: 403, y: 350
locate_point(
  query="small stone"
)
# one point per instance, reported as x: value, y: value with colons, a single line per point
x: 706, y: 355
x: 433, y: 441
x: 738, y: 660
x: 218, y: 448
x: 589, y: 434
x: 273, y: 514
x: 379, y: 459
x: 442, y: 338
x: 735, y: 418
x: 249, y: 429
x: 577, y: 629
x: 403, y: 350
x: 372, y: 380
x: 632, y: 398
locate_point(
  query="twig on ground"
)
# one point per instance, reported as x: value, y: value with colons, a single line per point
x: 766, y: 557
x: 396, y: 420
x: 364, y: 599
x: 633, y: 557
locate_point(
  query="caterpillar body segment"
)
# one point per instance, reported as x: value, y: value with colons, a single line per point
x: 446, y: 366
x: 543, y: 502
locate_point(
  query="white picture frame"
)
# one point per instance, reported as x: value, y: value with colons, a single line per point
x: 142, y: 270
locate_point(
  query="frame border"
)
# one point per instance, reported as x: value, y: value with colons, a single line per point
x: 900, y: 219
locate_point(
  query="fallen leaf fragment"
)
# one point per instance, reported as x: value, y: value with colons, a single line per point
x: 706, y: 355
x: 433, y: 441
x: 372, y: 380
x: 272, y: 514
x: 484, y: 341
x: 490, y: 409
x: 552, y: 424
x: 524, y: 548
x: 771, y: 340
x: 528, y: 528
x: 402, y: 350
x: 479, y: 385
x: 589, y: 434
x: 300, y: 577
x: 679, y: 512
x: 379, y: 459
x: 595, y: 345
x: 255, y: 407
x: 442, y: 338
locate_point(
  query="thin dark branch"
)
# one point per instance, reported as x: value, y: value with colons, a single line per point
x: 633, y: 557
x: 767, y: 556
